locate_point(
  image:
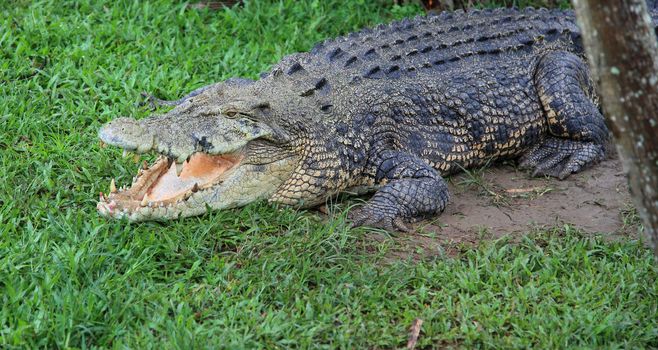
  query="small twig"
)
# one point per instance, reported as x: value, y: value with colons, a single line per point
x: 414, y: 332
x: 524, y: 190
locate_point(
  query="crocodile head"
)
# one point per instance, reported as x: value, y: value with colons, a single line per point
x: 216, y: 150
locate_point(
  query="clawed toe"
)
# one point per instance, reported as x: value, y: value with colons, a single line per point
x: 148, y: 100
x: 153, y: 102
x: 561, y: 158
x: 373, y: 217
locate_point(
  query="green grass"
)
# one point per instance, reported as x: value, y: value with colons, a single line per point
x: 259, y: 277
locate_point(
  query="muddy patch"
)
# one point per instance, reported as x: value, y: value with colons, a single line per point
x: 503, y: 201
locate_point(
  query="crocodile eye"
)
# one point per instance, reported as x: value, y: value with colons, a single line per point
x: 233, y: 114
x: 239, y: 116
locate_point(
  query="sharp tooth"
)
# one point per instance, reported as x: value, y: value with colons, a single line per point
x: 136, y: 158
x: 113, y: 187
x: 145, y: 201
x: 179, y: 168
x: 195, y: 188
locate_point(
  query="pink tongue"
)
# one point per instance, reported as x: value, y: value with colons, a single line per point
x: 201, y: 169
x: 169, y: 185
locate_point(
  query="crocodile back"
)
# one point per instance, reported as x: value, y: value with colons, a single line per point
x: 432, y: 44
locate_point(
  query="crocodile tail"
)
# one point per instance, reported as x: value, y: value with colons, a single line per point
x: 652, y: 5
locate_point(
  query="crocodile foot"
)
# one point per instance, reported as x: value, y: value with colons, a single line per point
x: 153, y: 102
x: 377, y: 217
x: 561, y: 157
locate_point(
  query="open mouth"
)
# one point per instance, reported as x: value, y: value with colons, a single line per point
x: 167, y: 183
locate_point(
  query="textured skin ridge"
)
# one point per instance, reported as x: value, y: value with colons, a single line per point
x: 404, y: 47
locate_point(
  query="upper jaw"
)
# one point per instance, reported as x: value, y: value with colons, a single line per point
x: 128, y: 134
x: 180, y: 136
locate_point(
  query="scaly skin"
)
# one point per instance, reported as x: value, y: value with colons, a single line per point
x: 392, y: 109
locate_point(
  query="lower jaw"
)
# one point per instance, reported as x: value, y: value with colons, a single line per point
x: 247, y: 183
x: 155, y: 213
x: 165, y: 187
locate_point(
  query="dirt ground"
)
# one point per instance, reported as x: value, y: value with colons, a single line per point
x: 501, y: 200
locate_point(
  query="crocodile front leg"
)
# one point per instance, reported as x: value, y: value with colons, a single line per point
x: 412, y: 189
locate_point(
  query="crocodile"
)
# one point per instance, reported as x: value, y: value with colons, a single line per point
x: 390, y: 110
